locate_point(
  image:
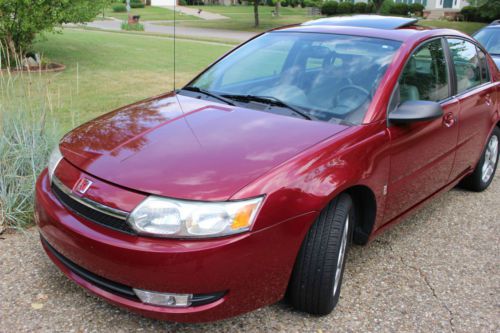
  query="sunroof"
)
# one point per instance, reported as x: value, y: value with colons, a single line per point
x: 366, y: 21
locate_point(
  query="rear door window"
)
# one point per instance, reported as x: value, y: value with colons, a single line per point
x: 467, y: 64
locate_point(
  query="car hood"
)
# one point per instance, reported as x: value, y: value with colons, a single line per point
x: 183, y: 147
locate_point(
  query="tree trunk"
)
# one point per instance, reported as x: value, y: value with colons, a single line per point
x: 256, y: 12
x: 278, y: 6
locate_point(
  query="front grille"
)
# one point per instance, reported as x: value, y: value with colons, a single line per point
x: 91, y: 211
x: 118, y: 288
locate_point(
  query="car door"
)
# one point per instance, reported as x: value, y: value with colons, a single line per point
x: 422, y: 153
x: 475, y: 92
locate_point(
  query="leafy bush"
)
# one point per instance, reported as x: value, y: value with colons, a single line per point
x: 284, y: 3
x: 386, y: 7
x: 344, y: 8
x: 469, y: 13
x: 416, y: 8
x: 313, y: 3
x: 360, y: 7
x: 132, y: 27
x: 22, y: 20
x: 370, y: 8
x: 119, y: 8
x: 137, y: 5
x: 489, y: 11
x: 329, y: 8
x: 399, y: 9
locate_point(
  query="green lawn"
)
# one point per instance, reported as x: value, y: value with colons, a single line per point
x: 467, y: 27
x: 150, y: 14
x: 107, y: 70
x: 242, y: 18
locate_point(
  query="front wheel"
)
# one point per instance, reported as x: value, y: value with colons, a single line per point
x: 317, y: 276
x: 485, y: 170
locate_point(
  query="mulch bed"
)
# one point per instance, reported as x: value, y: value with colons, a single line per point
x: 49, y: 68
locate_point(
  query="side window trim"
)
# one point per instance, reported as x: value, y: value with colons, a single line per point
x: 452, y: 66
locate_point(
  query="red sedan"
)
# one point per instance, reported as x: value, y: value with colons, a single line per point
x: 250, y: 183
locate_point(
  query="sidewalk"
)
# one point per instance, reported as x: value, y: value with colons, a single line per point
x: 194, y: 12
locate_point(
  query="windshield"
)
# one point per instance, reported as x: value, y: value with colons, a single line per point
x: 324, y: 76
x: 490, y: 39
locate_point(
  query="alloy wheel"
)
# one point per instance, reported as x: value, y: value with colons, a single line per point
x: 340, y: 259
x: 490, y: 159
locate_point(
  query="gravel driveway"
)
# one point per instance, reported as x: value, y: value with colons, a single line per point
x: 437, y: 271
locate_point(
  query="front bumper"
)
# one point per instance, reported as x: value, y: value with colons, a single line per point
x: 251, y: 270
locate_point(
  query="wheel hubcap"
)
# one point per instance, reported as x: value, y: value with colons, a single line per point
x: 340, y: 259
x: 490, y: 159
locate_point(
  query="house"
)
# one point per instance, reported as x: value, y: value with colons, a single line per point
x: 164, y: 2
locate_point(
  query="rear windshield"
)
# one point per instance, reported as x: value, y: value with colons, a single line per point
x: 329, y: 77
x: 490, y: 39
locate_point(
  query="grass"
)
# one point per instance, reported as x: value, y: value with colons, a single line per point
x: 107, y: 70
x: 242, y: 19
x: 28, y: 131
x: 149, y: 14
x: 467, y: 27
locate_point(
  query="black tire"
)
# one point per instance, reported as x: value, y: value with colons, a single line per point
x: 311, y: 288
x: 475, y: 181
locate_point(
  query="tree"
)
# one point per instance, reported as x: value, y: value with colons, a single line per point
x: 490, y: 10
x: 256, y: 12
x: 21, y: 20
x: 378, y: 5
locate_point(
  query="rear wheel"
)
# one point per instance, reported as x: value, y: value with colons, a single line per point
x: 317, y: 276
x: 485, y: 170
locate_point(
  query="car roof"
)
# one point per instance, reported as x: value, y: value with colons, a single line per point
x: 376, y: 26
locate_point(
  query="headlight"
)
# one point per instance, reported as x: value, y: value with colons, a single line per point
x: 163, y: 217
x: 54, y: 159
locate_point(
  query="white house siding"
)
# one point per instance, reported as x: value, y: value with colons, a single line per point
x: 163, y: 2
x: 432, y: 4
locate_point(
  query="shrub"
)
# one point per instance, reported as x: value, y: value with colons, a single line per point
x: 22, y: 20
x: 183, y: 3
x: 470, y: 13
x: 344, y: 8
x: 386, y: 7
x: 284, y: 3
x: 329, y: 8
x: 416, y: 8
x: 370, y: 8
x: 399, y: 9
x: 313, y: 3
x: 137, y: 5
x: 119, y: 8
x: 360, y: 7
x: 132, y: 27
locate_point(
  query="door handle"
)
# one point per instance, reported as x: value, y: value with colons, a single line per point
x: 487, y: 99
x: 449, y: 120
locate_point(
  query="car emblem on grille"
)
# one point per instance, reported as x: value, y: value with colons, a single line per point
x: 82, y: 185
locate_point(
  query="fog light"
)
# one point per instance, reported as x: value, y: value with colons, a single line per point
x: 164, y: 299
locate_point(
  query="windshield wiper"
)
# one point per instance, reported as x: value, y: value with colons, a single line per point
x: 269, y: 100
x: 208, y: 93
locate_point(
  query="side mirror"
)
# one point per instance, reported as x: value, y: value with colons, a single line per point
x: 415, y: 111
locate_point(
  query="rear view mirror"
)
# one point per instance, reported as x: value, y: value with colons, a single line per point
x: 416, y: 111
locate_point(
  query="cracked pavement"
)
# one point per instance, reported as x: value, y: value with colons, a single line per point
x: 438, y: 271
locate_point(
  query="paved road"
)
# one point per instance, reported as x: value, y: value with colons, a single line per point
x: 155, y: 27
x: 438, y: 271
x: 198, y: 12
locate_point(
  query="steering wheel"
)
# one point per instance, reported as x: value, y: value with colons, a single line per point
x: 344, y: 102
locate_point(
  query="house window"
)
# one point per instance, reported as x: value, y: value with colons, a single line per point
x: 425, y: 3
x: 456, y: 2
